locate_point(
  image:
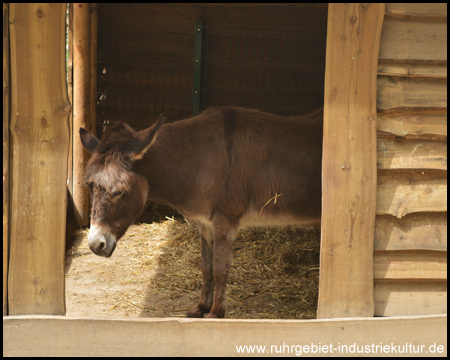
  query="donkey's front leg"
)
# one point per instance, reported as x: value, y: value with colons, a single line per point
x: 224, y: 233
x: 206, y: 297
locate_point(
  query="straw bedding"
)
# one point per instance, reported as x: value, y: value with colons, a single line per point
x: 155, y: 272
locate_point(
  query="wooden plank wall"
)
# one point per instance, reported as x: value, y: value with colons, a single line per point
x: 40, y: 137
x: 138, y: 93
x: 349, y: 161
x: 410, y: 260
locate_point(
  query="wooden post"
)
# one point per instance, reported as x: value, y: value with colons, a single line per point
x: 40, y: 139
x: 93, y: 67
x: 81, y: 108
x: 5, y: 155
x: 349, y: 160
x: 70, y: 217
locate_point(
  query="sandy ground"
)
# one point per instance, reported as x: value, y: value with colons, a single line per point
x: 117, y: 286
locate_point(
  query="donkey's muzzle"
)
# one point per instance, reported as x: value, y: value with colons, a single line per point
x: 101, y: 241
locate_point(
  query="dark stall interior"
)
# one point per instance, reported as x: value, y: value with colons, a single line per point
x: 179, y: 59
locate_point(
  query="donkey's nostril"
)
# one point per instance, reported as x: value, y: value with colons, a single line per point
x: 102, y: 245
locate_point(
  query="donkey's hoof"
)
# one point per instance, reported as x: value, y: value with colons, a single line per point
x: 194, y: 313
x: 214, y: 315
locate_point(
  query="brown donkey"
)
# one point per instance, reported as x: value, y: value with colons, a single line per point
x: 226, y: 168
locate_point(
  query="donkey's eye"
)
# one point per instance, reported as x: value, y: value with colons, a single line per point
x: 117, y: 194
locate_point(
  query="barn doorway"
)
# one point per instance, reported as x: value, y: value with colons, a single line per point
x: 179, y: 59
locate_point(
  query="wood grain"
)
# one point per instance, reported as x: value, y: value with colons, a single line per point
x: 409, y: 298
x: 401, y: 265
x: 81, y: 109
x: 400, y: 193
x: 35, y: 336
x: 395, y: 92
x: 417, y: 231
x: 6, y: 144
x: 40, y: 139
x: 411, y: 154
x: 349, y: 160
x: 414, y: 123
x: 414, y: 38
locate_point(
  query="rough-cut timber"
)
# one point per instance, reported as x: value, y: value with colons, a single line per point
x: 400, y: 193
x: 410, y: 38
x: 409, y: 92
x: 431, y: 124
x: 81, y: 108
x: 410, y: 260
x: 35, y: 336
x: 6, y: 173
x: 349, y: 160
x: 409, y: 298
x: 411, y: 154
x: 418, y: 231
x: 40, y: 138
x: 395, y: 265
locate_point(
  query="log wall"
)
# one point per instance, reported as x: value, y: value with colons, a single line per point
x: 410, y: 245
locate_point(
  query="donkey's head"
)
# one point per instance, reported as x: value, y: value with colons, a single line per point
x: 118, y: 193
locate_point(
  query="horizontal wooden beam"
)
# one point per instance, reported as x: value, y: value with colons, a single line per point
x: 419, y: 231
x: 411, y: 154
x: 416, y: 69
x: 409, y: 38
x: 64, y: 336
x: 417, y: 9
x: 388, y: 265
x: 395, y: 92
x: 404, y: 192
x: 405, y: 298
x: 417, y: 123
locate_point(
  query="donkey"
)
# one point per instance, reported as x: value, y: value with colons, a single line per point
x: 226, y: 168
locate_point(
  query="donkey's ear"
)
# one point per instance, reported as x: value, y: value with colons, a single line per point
x: 89, y: 141
x: 145, y: 138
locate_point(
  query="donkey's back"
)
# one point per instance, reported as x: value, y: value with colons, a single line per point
x: 252, y: 166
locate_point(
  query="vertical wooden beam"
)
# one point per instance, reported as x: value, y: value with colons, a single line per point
x: 5, y: 155
x: 93, y: 67
x: 349, y: 160
x: 81, y: 108
x: 70, y: 94
x: 40, y: 139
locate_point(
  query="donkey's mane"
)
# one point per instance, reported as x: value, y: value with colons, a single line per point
x: 110, y: 165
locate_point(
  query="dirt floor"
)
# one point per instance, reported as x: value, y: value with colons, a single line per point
x: 155, y: 272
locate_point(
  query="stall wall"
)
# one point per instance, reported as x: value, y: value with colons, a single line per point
x: 410, y: 259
